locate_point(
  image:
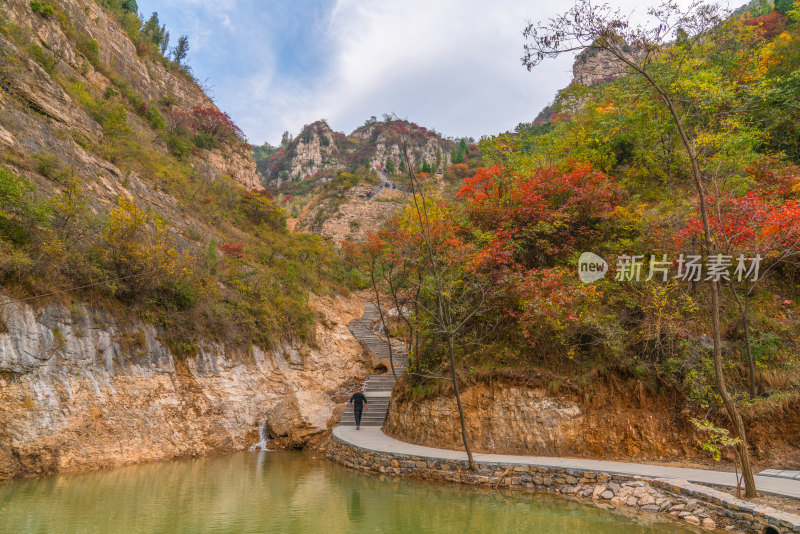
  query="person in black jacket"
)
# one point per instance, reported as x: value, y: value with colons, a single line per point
x: 359, y: 403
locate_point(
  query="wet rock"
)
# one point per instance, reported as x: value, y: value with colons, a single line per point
x: 646, y: 500
x: 597, y: 491
x: 300, y: 415
x: 708, y: 523
x: 90, y: 391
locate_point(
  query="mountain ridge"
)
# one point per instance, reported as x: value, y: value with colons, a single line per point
x: 373, y: 144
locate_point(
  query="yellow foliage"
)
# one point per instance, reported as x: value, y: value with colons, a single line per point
x: 138, y: 246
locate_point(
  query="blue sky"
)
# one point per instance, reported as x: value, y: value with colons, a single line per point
x: 451, y: 65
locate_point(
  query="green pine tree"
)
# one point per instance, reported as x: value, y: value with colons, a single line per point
x: 180, y: 50
x: 784, y: 6
x: 157, y: 33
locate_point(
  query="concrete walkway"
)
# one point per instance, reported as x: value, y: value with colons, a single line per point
x: 374, y: 439
x: 775, y: 482
x: 781, y: 474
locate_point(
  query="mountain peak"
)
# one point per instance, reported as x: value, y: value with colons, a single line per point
x: 375, y: 143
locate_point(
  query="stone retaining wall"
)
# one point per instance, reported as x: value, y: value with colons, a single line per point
x: 692, y: 503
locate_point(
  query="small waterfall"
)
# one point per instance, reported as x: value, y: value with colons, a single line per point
x: 263, y: 439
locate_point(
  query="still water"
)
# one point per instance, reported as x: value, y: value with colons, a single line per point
x: 286, y: 492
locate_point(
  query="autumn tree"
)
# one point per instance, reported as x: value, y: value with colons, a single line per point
x: 757, y: 232
x: 638, y: 48
x: 376, y: 262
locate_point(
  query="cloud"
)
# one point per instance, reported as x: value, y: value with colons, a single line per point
x: 452, y: 65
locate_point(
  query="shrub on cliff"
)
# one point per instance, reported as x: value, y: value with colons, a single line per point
x: 217, y: 124
x: 42, y: 8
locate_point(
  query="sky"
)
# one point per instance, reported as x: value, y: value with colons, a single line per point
x: 449, y: 65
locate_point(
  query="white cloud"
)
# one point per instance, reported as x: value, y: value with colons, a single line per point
x: 452, y: 65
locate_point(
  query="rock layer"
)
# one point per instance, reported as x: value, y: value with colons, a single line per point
x: 58, y: 121
x: 82, y: 389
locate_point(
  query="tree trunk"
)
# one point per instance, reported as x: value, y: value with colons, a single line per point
x: 744, y: 311
x: 383, y: 322
x: 458, y: 402
x: 750, y: 491
x: 444, y: 318
x: 719, y: 377
x: 751, y: 364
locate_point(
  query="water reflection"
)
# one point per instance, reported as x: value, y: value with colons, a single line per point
x: 285, y: 492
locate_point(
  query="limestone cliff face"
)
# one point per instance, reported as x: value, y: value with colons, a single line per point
x: 350, y: 216
x: 81, y: 388
x: 424, y: 145
x: 591, y: 67
x: 594, y: 66
x: 502, y: 420
x: 318, y: 148
x: 37, y: 114
x: 314, y: 150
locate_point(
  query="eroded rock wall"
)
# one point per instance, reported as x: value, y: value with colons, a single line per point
x: 82, y: 389
x: 37, y: 115
x: 612, y: 419
x: 350, y: 217
x: 502, y: 419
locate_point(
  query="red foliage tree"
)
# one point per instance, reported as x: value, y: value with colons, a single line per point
x: 217, y: 124
x: 235, y: 250
x: 769, y: 25
x: 546, y: 213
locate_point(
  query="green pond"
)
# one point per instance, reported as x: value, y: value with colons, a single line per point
x: 287, y: 492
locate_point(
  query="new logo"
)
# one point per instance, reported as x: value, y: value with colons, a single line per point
x: 591, y: 267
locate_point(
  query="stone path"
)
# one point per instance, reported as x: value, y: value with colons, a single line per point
x: 378, y: 388
x: 375, y: 440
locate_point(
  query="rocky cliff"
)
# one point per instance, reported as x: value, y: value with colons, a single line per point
x: 593, y: 66
x: 82, y: 389
x: 318, y: 148
x: 83, y: 44
x: 351, y: 215
x: 104, y: 139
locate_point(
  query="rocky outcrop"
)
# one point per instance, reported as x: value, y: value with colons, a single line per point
x: 593, y: 66
x: 299, y: 416
x: 59, y: 125
x: 513, y: 420
x: 350, y: 217
x: 234, y: 164
x: 312, y: 151
x: 317, y: 148
x: 425, y: 146
x: 82, y: 389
